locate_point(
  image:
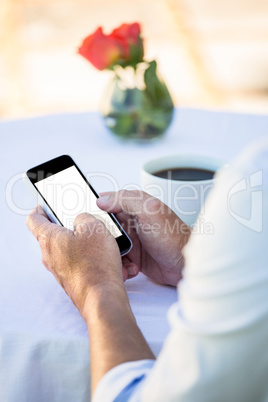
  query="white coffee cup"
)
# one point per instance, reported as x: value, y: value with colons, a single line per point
x: 185, y: 198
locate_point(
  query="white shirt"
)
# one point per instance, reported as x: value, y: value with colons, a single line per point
x: 217, y: 349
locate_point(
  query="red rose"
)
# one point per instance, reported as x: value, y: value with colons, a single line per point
x: 129, y: 35
x: 123, y: 46
x: 100, y: 50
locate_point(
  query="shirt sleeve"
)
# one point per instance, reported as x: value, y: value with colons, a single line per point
x: 217, y: 346
x: 122, y: 383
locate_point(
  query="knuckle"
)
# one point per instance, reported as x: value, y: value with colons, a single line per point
x: 129, y: 193
x: 154, y: 205
x: 43, y: 241
x: 83, y: 222
x: 83, y: 217
x: 92, y: 227
x: 42, y: 233
x: 44, y: 261
x: 130, y: 200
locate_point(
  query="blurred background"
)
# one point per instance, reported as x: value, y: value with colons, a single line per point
x: 213, y: 54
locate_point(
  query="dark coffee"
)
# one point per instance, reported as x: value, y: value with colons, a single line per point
x: 185, y: 174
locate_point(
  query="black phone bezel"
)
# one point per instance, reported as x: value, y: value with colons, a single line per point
x: 63, y: 162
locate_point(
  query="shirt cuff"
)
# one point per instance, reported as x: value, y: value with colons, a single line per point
x: 123, y: 382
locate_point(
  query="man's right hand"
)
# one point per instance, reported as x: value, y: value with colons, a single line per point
x: 157, y: 233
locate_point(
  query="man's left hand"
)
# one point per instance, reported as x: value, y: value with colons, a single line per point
x: 79, y: 259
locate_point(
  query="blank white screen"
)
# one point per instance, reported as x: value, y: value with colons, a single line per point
x: 68, y: 195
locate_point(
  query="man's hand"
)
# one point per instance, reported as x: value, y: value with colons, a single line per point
x: 157, y: 233
x: 87, y: 264
x: 81, y: 259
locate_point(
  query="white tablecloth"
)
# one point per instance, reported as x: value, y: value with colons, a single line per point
x: 43, y: 340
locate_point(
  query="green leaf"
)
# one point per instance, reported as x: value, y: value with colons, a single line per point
x: 156, y: 90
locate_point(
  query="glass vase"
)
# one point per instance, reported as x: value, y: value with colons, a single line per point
x: 137, y: 104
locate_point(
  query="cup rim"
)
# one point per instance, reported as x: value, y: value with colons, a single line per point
x: 172, y: 159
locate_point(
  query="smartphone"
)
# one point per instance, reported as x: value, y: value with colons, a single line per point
x: 64, y: 192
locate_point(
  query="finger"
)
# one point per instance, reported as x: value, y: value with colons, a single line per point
x: 124, y: 274
x: 40, y: 210
x: 85, y: 223
x: 137, y: 204
x: 132, y: 270
x: 106, y: 193
x: 131, y: 267
x: 123, y: 218
x: 130, y: 202
x: 38, y: 222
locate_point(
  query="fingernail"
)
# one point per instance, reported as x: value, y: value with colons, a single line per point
x: 104, y: 199
x: 131, y: 271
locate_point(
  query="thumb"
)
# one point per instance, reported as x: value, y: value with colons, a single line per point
x: 130, y: 270
x: 135, y: 203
